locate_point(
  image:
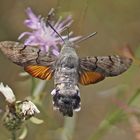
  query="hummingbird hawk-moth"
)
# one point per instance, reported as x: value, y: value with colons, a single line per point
x: 67, y: 69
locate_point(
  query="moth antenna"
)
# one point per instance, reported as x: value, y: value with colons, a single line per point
x: 55, y: 31
x: 86, y: 37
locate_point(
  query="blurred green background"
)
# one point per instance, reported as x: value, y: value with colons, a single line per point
x: 118, y: 24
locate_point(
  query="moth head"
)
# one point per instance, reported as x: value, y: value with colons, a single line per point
x: 66, y: 101
x: 68, y: 43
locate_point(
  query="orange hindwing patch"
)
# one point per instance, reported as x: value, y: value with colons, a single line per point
x: 88, y: 77
x: 42, y: 72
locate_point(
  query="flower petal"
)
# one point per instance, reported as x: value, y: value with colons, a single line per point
x: 30, y: 14
x: 7, y: 93
x: 23, y: 34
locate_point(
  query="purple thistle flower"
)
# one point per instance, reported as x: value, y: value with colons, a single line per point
x: 43, y: 35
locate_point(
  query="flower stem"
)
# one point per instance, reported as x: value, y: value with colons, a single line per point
x: 37, y: 89
x: 13, y: 133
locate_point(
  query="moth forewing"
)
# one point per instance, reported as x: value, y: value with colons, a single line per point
x: 16, y: 53
x: 25, y: 55
x: 113, y: 65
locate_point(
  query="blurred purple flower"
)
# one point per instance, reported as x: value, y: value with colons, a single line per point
x: 43, y: 35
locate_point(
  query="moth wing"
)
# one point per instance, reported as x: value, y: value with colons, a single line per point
x: 89, y: 77
x: 95, y: 69
x: 25, y: 55
x: 42, y: 72
x: 31, y: 58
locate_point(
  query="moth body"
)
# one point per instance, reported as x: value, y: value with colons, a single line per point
x: 67, y: 96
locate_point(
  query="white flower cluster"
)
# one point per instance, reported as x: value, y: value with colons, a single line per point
x: 28, y: 108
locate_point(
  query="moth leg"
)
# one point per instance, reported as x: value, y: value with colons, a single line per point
x: 38, y: 56
x: 23, y: 48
